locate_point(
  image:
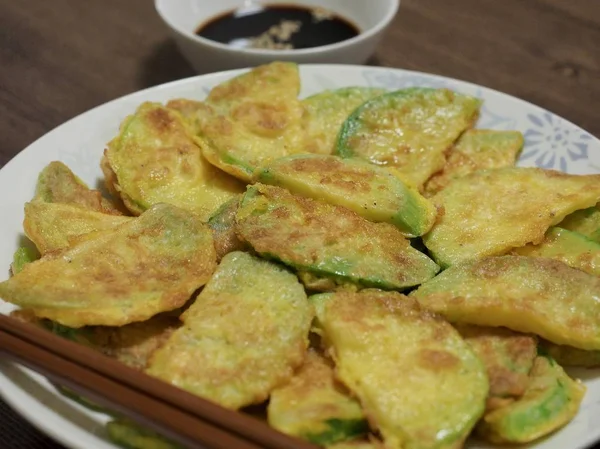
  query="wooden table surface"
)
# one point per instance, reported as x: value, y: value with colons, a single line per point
x: 59, y: 58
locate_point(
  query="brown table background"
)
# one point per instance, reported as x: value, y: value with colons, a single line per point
x: 62, y: 57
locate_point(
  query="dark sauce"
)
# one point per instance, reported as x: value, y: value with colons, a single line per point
x: 278, y: 27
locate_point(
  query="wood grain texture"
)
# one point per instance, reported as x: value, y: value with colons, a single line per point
x: 60, y: 58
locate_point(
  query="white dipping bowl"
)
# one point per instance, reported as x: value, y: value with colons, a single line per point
x: 183, y: 17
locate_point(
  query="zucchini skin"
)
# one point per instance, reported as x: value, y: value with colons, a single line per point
x: 408, y: 130
x: 418, y: 381
x: 375, y: 193
x: 314, y: 406
x: 329, y: 241
x: 130, y: 435
x: 551, y: 401
x: 569, y: 247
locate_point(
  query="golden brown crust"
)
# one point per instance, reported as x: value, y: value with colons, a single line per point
x: 244, y: 335
x: 143, y: 267
x: 252, y: 119
x: 156, y: 159
x: 410, y: 130
x: 329, y: 240
x: 530, y: 295
x: 134, y: 343
x: 481, y: 209
x: 417, y: 380
x: 476, y: 149
x: 222, y: 224
x: 56, y: 226
x: 508, y: 357
x: 58, y: 184
x: 324, y: 114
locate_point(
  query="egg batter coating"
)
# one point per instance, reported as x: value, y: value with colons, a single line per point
x: 251, y: 119
x: 490, y: 212
x: 329, y: 241
x: 315, y: 407
x: 507, y: 356
x: 58, y: 184
x: 131, y: 344
x: 477, y: 149
x: 526, y: 294
x: 325, y: 112
x: 154, y: 159
x: 187, y: 109
x: 243, y: 336
x: 222, y: 224
x: 374, y: 193
x: 409, y: 130
x: 552, y: 400
x: 418, y: 381
x: 56, y: 226
x: 149, y: 265
x: 571, y: 248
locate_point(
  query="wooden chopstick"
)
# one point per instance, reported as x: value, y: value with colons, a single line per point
x: 186, y: 419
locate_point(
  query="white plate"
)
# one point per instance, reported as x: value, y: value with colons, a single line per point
x: 551, y: 142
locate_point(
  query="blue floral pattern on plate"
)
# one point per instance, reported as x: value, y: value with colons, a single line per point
x: 553, y: 142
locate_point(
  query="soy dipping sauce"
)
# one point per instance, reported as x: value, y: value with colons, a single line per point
x: 275, y: 26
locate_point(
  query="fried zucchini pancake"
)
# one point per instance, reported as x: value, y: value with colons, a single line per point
x: 131, y: 344
x: 222, y: 224
x: 493, y: 211
x: 585, y: 221
x: 325, y: 112
x: 526, y: 294
x: 552, y: 400
x: 507, y: 356
x: 314, y: 407
x: 58, y: 184
x: 418, y: 381
x: 409, y: 130
x: 477, y: 149
x: 56, y: 226
x: 571, y: 248
x: 329, y: 241
x: 243, y: 336
x: 374, y: 193
x: 155, y: 160
x: 251, y: 119
x: 187, y: 109
x: 149, y: 265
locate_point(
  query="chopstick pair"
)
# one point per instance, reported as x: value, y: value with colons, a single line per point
x: 184, y: 418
